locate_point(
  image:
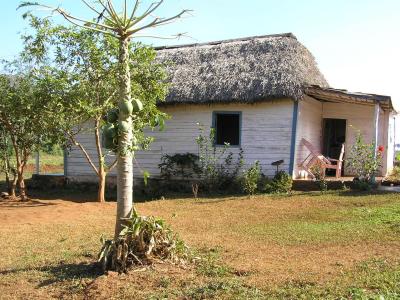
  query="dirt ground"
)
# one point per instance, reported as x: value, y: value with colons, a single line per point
x: 219, y: 223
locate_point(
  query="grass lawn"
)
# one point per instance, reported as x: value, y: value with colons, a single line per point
x: 340, y: 245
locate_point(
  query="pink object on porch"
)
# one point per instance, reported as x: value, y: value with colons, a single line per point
x: 315, y: 157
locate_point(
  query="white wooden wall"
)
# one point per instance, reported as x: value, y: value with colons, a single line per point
x: 265, y: 136
x: 309, y: 126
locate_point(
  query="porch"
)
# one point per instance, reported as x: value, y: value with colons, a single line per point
x: 329, y: 118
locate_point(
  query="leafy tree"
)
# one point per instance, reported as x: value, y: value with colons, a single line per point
x: 24, y: 113
x: 123, y: 27
x: 89, y: 63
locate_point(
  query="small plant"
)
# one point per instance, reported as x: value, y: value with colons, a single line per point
x: 319, y: 173
x: 281, y: 183
x: 179, y: 166
x: 142, y: 240
x: 219, y: 170
x: 251, y: 178
x: 394, y: 175
x: 209, y: 263
x: 365, y: 160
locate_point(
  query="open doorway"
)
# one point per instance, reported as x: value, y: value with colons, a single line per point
x: 334, y: 135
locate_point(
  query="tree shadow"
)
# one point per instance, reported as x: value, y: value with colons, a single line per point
x: 62, y: 272
x: 65, y: 194
x: 68, y: 272
x: 13, y: 203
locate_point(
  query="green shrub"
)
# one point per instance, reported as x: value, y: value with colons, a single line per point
x: 218, y: 169
x: 319, y: 173
x: 251, y: 178
x: 365, y: 160
x: 281, y: 183
x: 362, y: 185
x: 179, y: 166
x: 394, y: 175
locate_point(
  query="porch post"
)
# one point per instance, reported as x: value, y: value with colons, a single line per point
x: 376, y: 124
x: 293, y: 138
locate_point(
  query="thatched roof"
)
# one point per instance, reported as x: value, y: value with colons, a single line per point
x: 241, y: 70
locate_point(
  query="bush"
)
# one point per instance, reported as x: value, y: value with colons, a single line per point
x: 365, y: 160
x: 179, y: 166
x: 362, y: 185
x: 395, y: 175
x: 142, y: 241
x: 319, y: 172
x: 281, y: 183
x: 251, y: 179
x: 218, y: 170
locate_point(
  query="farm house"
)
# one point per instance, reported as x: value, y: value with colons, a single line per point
x: 262, y: 94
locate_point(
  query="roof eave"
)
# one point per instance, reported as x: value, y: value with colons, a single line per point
x: 330, y: 94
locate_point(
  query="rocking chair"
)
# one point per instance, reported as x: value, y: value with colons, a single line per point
x: 315, y: 157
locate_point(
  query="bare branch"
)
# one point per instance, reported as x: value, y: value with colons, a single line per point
x: 111, y: 7
x: 90, y: 28
x: 148, y: 12
x: 158, y: 22
x: 88, y: 158
x: 74, y: 20
x: 137, y: 3
x: 172, y: 37
x: 106, y: 8
x: 125, y: 12
x: 67, y: 15
x: 100, y: 14
x: 113, y: 165
x: 112, y: 13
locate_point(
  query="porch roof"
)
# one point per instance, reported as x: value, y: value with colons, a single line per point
x: 344, y: 96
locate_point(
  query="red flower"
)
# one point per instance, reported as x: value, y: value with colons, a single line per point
x: 381, y: 148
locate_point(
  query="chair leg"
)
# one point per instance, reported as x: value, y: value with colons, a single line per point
x: 338, y: 172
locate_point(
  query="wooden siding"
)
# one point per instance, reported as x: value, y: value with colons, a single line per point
x: 265, y: 136
x: 309, y: 126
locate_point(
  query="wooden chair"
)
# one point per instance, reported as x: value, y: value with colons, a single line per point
x: 315, y: 157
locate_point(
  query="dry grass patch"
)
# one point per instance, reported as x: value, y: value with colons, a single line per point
x: 282, y: 245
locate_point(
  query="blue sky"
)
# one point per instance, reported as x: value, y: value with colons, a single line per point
x: 356, y: 43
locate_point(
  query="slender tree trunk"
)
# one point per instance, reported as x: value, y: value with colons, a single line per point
x: 20, y: 170
x: 7, y: 174
x: 125, y: 163
x: 102, y: 187
x: 20, y: 181
x: 13, y: 187
x: 101, y: 172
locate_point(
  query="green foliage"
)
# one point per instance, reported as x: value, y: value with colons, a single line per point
x: 218, y: 170
x: 394, y: 175
x: 26, y: 112
x: 179, y: 166
x: 209, y: 264
x: 319, y: 173
x: 397, y: 156
x: 363, y: 185
x: 86, y: 65
x: 365, y: 159
x: 281, y: 183
x: 142, y: 240
x: 251, y: 178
